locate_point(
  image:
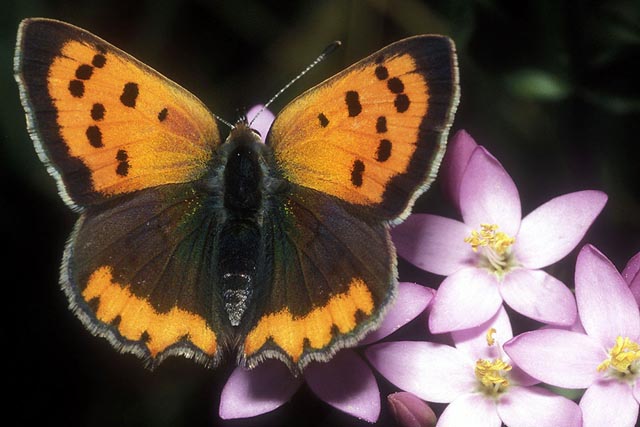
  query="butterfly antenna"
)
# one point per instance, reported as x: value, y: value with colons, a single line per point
x: 327, y: 50
x: 221, y: 120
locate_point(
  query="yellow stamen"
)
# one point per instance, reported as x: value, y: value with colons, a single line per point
x: 492, y: 374
x: 499, y: 242
x: 622, y: 356
x: 490, y: 339
x: 496, y: 244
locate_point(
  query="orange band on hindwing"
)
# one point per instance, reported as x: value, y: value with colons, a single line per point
x: 138, y: 320
x: 290, y: 334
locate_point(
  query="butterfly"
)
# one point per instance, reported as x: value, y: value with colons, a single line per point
x: 188, y: 244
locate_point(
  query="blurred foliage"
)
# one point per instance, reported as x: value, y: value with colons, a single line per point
x: 550, y: 87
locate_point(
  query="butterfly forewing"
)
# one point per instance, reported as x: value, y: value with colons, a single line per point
x: 105, y: 123
x: 373, y: 135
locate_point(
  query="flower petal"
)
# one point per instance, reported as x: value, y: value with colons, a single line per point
x: 636, y: 390
x: 631, y: 274
x: 433, y: 243
x: 455, y: 161
x: 473, y: 341
x: 536, y: 407
x: 558, y: 357
x: 540, y: 296
x: 412, y: 300
x: 519, y: 377
x: 258, y: 391
x: 488, y: 195
x: 607, y: 402
x: 632, y: 269
x: 411, y: 411
x: 551, y: 231
x: 605, y: 302
x: 346, y: 383
x: 433, y: 372
x: 263, y: 122
x: 470, y: 410
x: 464, y: 300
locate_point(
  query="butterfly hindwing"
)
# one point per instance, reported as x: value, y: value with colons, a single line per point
x: 140, y: 271
x: 325, y: 292
x: 105, y: 123
x: 373, y: 135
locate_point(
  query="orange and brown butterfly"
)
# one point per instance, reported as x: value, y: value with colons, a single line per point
x: 188, y: 244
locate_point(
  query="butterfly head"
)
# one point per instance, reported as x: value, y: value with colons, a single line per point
x: 242, y: 131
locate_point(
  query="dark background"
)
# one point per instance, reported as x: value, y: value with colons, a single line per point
x: 549, y: 87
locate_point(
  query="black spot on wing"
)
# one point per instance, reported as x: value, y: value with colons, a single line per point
x: 97, y: 111
x: 162, y: 115
x: 129, y: 95
x: 123, y: 163
x: 352, y: 98
x: 84, y: 72
x: 384, y: 150
x: 381, y: 72
x: 395, y: 85
x: 357, y: 172
x: 99, y: 60
x: 381, y: 124
x: 402, y: 103
x: 324, y: 122
x: 76, y: 88
x: 94, y: 135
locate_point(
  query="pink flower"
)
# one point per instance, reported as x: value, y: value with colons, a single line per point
x: 479, y: 382
x: 345, y: 382
x: 494, y: 255
x: 263, y: 122
x: 605, y: 359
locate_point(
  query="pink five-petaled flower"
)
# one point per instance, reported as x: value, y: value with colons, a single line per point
x: 494, y: 255
x: 481, y: 384
x: 605, y: 359
x: 345, y: 382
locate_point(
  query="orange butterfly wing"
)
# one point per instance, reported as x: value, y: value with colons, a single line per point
x: 357, y: 151
x: 373, y: 135
x: 106, y: 124
x: 136, y: 269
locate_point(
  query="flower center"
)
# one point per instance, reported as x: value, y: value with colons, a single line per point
x: 492, y: 374
x: 624, y: 358
x: 494, y: 245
